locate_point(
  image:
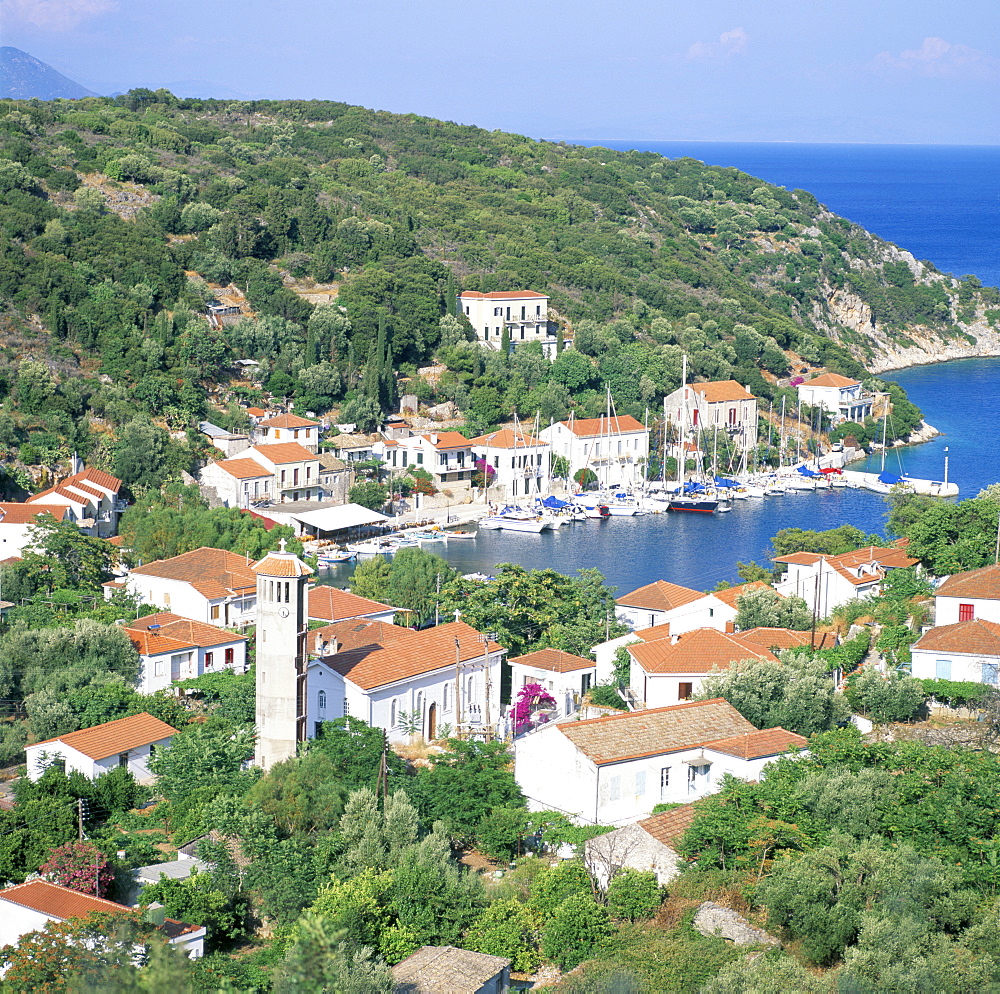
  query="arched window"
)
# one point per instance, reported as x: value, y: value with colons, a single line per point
x: 420, y: 703
x: 392, y: 714
x: 321, y: 700
x: 469, y: 691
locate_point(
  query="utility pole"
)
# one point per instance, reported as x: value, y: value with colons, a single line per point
x: 487, y: 637
x: 437, y: 602
x: 382, y: 784
x: 79, y: 818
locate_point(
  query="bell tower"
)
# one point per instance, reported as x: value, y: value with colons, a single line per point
x: 282, y: 657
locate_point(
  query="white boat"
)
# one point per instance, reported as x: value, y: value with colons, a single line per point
x: 373, y: 547
x: 622, y: 506
x: 333, y: 556
x: 450, y: 536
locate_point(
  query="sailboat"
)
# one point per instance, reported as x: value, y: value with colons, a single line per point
x: 688, y: 496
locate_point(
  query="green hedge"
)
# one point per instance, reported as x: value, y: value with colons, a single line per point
x: 957, y: 693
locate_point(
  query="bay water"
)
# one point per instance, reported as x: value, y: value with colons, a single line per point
x: 942, y: 203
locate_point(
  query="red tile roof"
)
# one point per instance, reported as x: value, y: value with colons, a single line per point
x: 698, y: 651
x: 214, y: 573
x: 978, y: 583
x: 447, y: 440
x: 830, y: 380
x: 589, y: 427
x: 977, y: 637
x: 732, y: 594
x: 185, y: 630
x: 758, y: 744
x: 785, y: 638
x: 555, y: 660
x: 668, y: 827
x: 660, y: 596
x: 59, y: 491
x: 655, y: 732
x: 243, y: 469
x: 722, y: 390
x: 155, y: 644
x: 282, y: 564
x: 288, y: 421
x: 58, y: 902
x: 282, y: 453
x: 503, y: 295
x: 116, y: 736
x: 26, y: 514
x: 506, y: 438
x: 425, y: 652
x: 355, y: 633
x: 331, y: 604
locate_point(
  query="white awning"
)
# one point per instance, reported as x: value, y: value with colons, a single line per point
x: 333, y: 519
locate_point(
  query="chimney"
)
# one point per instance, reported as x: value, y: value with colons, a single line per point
x: 674, y: 639
x: 730, y: 627
x: 434, y: 438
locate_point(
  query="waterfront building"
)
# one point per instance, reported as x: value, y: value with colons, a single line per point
x: 446, y: 455
x: 842, y: 398
x: 520, y: 463
x: 614, y: 770
x: 723, y: 404
x: 615, y: 449
x: 661, y: 603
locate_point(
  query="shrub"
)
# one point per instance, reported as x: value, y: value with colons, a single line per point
x: 634, y: 894
x: 575, y: 932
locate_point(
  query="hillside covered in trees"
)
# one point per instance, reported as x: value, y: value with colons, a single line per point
x: 348, y: 232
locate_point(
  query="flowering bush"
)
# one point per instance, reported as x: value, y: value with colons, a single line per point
x: 531, y: 697
x: 80, y: 866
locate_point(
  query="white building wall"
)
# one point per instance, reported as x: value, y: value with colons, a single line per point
x: 13, y: 539
x: 605, y: 654
x: 554, y: 775
x: 659, y: 690
x: 946, y: 609
x: 16, y: 921
x: 566, y: 688
x: 958, y: 666
x: 138, y: 760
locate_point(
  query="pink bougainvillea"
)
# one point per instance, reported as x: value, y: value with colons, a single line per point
x: 80, y: 866
x: 532, y: 697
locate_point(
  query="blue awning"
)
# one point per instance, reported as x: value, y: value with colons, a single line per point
x: 554, y: 503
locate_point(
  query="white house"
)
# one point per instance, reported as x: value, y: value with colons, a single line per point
x: 173, y: 648
x: 825, y: 582
x: 127, y: 742
x: 969, y: 595
x: 30, y: 906
x: 90, y: 497
x: 565, y: 676
x: 839, y: 396
x: 966, y: 650
x: 519, y: 461
x: 723, y: 404
x: 661, y: 603
x: 16, y: 520
x: 614, y: 770
x: 294, y: 470
x: 524, y: 313
x: 649, y: 845
x: 446, y: 455
x: 288, y: 428
x: 615, y: 448
x: 240, y: 482
x: 672, y: 670
x: 326, y: 603
x: 209, y: 585
x: 413, y: 681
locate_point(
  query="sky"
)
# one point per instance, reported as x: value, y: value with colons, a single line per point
x: 890, y: 71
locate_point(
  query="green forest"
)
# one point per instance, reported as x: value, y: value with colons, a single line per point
x: 121, y: 218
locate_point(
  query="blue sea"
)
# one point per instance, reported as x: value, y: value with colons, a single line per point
x: 942, y: 204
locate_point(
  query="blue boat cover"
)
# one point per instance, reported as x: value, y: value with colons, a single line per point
x: 808, y: 472
x: 691, y: 487
x: 721, y: 481
x: 890, y: 479
x: 555, y: 503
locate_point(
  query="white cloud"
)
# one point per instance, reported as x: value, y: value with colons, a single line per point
x: 730, y: 43
x: 939, y: 58
x: 54, y: 15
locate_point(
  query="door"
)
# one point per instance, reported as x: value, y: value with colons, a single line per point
x: 432, y: 722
